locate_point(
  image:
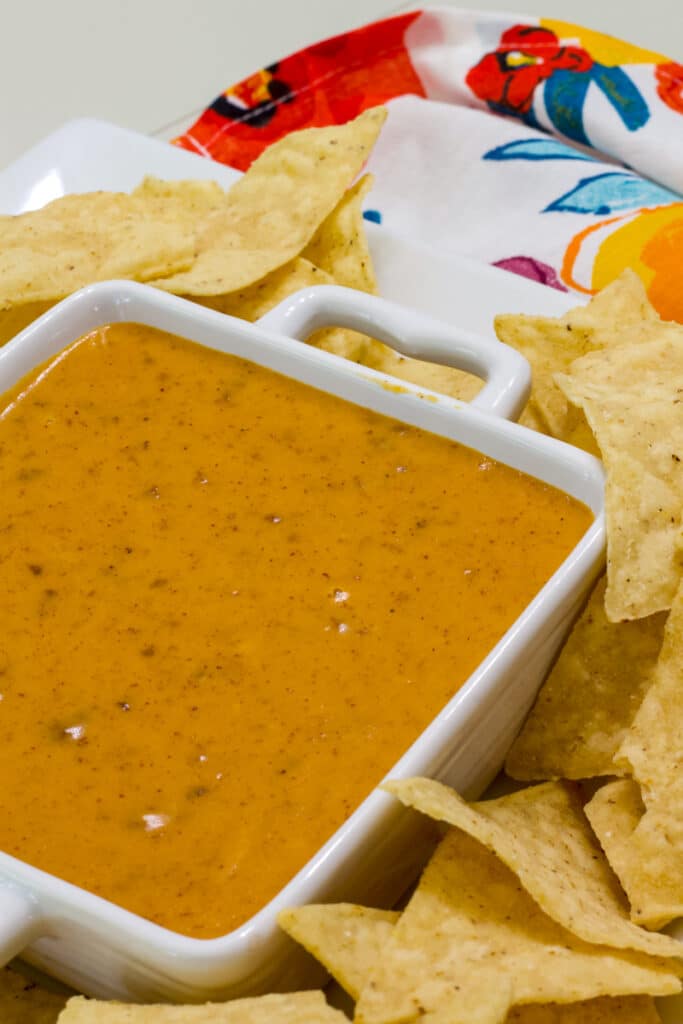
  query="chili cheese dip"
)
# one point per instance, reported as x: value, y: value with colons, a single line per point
x: 231, y: 602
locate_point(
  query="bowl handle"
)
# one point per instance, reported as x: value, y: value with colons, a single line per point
x: 506, y: 372
x: 19, y: 921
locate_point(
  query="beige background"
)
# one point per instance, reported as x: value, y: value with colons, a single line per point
x: 150, y: 64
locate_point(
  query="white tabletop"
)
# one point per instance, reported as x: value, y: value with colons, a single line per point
x: 151, y: 64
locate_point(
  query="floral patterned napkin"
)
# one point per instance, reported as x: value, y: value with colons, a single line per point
x: 539, y: 146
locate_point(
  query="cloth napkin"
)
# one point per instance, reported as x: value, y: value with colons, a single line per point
x: 538, y: 146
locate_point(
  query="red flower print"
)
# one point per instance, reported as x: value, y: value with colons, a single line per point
x: 525, y: 56
x: 670, y: 85
x: 328, y: 83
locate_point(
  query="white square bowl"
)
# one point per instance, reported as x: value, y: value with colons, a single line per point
x: 104, y: 950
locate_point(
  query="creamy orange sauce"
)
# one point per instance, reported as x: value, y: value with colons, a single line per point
x: 230, y: 604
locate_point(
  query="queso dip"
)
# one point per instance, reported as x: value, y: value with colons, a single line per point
x: 231, y: 602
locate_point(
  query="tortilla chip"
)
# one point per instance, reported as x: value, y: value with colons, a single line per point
x: 295, y: 1008
x: 96, y: 236
x: 549, y: 345
x: 552, y: 344
x: 590, y: 698
x: 344, y: 938
x: 257, y: 299
x: 615, y: 812
x: 630, y: 395
x: 340, y: 246
x: 542, y: 834
x: 651, y: 750
x: 199, y: 195
x: 631, y: 1010
x: 442, y: 379
x: 471, y: 929
x: 274, y: 210
x: 531, y: 418
x: 623, y: 303
x: 22, y: 1001
x: 348, y: 941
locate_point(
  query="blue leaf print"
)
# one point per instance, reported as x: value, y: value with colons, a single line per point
x: 536, y: 149
x: 612, y: 192
x: 374, y: 216
x: 623, y: 95
x: 564, y: 95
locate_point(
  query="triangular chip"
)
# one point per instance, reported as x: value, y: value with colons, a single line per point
x: 344, y: 938
x: 542, y: 834
x: 471, y: 928
x: 294, y: 1008
x: 590, y: 697
x: 274, y: 210
x: 631, y: 396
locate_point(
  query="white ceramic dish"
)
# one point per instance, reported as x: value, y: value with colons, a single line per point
x: 104, y: 950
